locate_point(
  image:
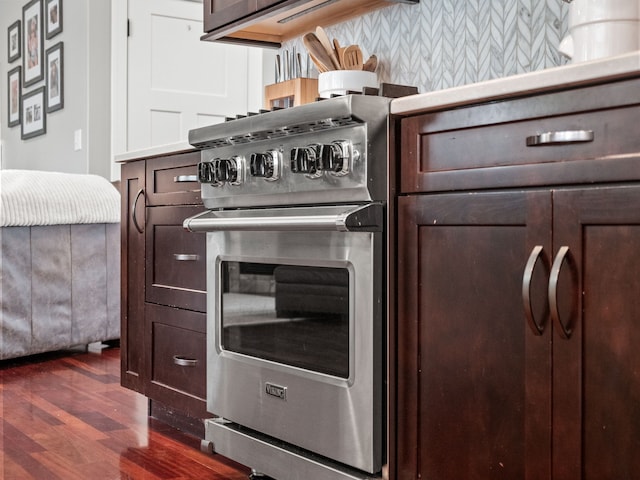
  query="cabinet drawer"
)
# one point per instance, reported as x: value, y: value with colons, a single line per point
x: 485, y: 146
x: 176, y: 259
x: 179, y: 358
x: 173, y: 180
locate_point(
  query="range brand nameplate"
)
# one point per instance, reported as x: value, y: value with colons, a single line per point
x: 275, y: 390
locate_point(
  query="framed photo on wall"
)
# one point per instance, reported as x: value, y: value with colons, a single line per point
x: 34, y: 119
x: 14, y: 40
x: 53, y: 14
x: 14, y: 82
x: 33, y: 43
x: 55, y: 77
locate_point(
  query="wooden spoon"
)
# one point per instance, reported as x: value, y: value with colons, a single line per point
x: 326, y: 43
x: 371, y: 64
x: 317, y: 52
x: 320, y: 66
x: 352, y: 58
x: 339, y: 51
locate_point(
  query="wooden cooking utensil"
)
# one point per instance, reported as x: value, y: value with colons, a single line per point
x: 326, y: 43
x: 317, y: 51
x: 371, y: 64
x: 339, y: 51
x: 352, y: 58
x: 320, y: 66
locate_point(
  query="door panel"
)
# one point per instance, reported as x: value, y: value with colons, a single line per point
x: 176, y: 81
x: 596, y: 370
x: 471, y: 370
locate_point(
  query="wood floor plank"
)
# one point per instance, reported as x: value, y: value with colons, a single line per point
x: 10, y: 469
x: 65, y: 416
x: 18, y: 439
x: 28, y: 411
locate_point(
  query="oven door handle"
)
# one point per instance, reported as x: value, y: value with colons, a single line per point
x: 351, y: 218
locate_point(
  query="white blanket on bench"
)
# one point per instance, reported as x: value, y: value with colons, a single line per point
x: 33, y: 197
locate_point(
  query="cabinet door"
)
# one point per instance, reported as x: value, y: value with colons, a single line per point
x: 596, y: 389
x: 132, y: 345
x: 474, y: 379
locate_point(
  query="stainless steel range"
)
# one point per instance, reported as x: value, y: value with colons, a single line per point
x: 296, y: 263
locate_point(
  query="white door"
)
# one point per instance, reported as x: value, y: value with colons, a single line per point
x: 177, y: 82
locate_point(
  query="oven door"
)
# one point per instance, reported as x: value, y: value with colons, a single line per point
x: 295, y: 327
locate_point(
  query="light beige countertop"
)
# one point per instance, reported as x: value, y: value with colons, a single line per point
x: 539, y: 81
x: 157, y: 151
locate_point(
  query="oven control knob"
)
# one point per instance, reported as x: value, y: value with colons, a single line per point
x: 305, y: 160
x: 228, y: 170
x: 335, y: 157
x: 266, y: 165
x: 205, y: 172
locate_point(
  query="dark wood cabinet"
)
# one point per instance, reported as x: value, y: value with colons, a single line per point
x: 132, y: 276
x: 484, y: 146
x: 481, y: 375
x: 595, y: 370
x: 163, y: 284
x: 270, y: 22
x: 518, y: 295
x: 176, y: 264
x: 218, y: 13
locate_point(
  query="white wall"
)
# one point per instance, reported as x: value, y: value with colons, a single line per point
x: 87, y: 78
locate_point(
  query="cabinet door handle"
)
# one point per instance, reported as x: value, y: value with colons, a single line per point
x: 559, y: 138
x: 565, y: 329
x: 183, y: 361
x: 133, y: 208
x: 185, y: 178
x: 536, y: 327
x: 186, y: 257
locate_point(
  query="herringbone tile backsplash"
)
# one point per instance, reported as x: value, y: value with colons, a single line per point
x: 439, y: 44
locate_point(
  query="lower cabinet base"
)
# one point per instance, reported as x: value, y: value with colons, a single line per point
x: 176, y: 418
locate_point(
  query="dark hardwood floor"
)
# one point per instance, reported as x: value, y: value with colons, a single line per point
x: 65, y: 416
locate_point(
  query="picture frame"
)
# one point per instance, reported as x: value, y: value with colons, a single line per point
x: 14, y: 41
x: 34, y: 115
x: 32, y: 43
x: 53, y: 15
x: 14, y: 91
x: 55, y: 77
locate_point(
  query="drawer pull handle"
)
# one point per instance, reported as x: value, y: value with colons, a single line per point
x: 559, y: 138
x: 186, y: 257
x: 185, y: 178
x: 536, y: 253
x: 183, y: 361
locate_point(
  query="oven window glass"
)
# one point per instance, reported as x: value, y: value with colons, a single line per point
x: 294, y: 315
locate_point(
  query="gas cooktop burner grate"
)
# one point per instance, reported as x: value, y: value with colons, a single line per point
x: 295, y: 129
